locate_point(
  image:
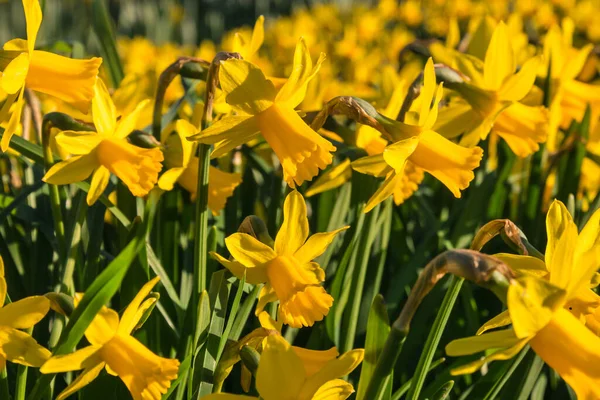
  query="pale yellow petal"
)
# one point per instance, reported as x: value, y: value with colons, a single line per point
x: 475, y: 344
x: 384, y: 191
x: 372, y: 165
x: 500, y: 320
x: 128, y: 123
x: 518, y: 85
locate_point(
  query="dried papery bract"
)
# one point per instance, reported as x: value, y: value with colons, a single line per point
x: 509, y: 232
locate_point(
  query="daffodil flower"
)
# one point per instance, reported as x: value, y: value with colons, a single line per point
x: 424, y: 148
x: 69, y: 80
x: 262, y: 109
x: 17, y: 346
x: 249, y: 48
x: 146, y: 375
x: 491, y: 99
x: 291, y: 373
x: 183, y: 168
x: 106, y: 151
x: 548, y: 305
x: 288, y: 270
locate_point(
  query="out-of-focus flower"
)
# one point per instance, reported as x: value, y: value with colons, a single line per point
x: 261, y: 109
x: 183, y: 167
x: 70, y: 80
x: 146, y: 375
x: 287, y: 269
x: 106, y: 151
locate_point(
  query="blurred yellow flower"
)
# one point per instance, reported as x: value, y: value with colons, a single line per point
x: 106, y: 151
x: 262, y: 109
x: 287, y: 269
x: 70, y: 80
x: 146, y: 375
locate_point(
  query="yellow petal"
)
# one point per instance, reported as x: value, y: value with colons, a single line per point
x: 475, y: 344
x: 433, y: 113
x: 498, y: 321
x: 518, y: 85
x: 499, y: 355
x: 499, y: 59
x: 481, y: 37
x: 336, y: 389
x: 16, y: 45
x: 77, y: 143
x: 103, y: 326
x: 315, y: 360
x: 396, y: 155
x: 450, y: 163
x: 331, y: 179
x: 269, y: 323
x: 384, y: 191
x: 294, y: 229
x: 526, y: 265
x: 82, y: 380
x: 80, y: 359
x: 25, y: 313
x: 128, y: 321
x: 14, y: 75
x: 558, y: 223
x: 75, y: 169
x: 372, y: 165
x: 248, y: 250
x: 104, y: 112
x: 573, y: 67
x: 33, y: 19
x: 100, y: 179
x: 267, y: 295
x: 72, y: 80
x: 408, y: 183
x: 566, y: 345
x: 522, y: 127
x: 168, y: 178
x: 221, y: 186
x: 316, y: 245
x: 128, y: 123
x: 590, y: 234
x: 254, y: 275
x: 246, y: 86
x: 531, y: 303
x: 2, y: 283
x: 19, y: 347
x: 427, y: 91
x: 13, y: 123
x: 293, y: 91
x: 280, y: 370
x: 231, y: 131
x: 333, y: 369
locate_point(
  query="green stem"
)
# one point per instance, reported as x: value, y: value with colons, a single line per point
x: 74, y: 242
x: 59, y: 224
x: 201, y: 238
x: 433, y: 339
x: 4, y: 393
x: 21, y: 384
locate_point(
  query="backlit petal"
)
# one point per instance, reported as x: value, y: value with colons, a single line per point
x: 254, y: 276
x: 75, y: 169
x: 128, y: 123
x: 294, y: 229
x: 128, y: 318
x: 384, y: 191
x: 526, y: 265
x: 518, y: 85
x: 19, y: 347
x: 104, y: 111
x: 500, y: 320
x: 80, y: 359
x: 372, y: 165
x: 168, y: 178
x: 33, y: 18
x: 334, y: 369
x: 336, y: 389
x: 427, y: 91
x: 499, y: 59
x: 103, y: 326
x: 232, y: 131
x: 100, y: 179
x: 77, y: 143
x: 248, y: 250
x: 25, y: 313
x: 331, y: 179
x: 316, y: 245
x: 558, y: 223
x: 396, y: 155
x: 82, y: 380
x: 14, y: 75
x: 247, y: 88
x: 280, y: 370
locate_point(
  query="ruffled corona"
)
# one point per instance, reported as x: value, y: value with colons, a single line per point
x: 408, y: 182
x: 301, y: 150
x: 138, y: 168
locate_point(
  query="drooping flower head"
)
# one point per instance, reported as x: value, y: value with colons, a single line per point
x: 106, y: 151
x: 67, y: 79
x: 287, y: 269
x: 15, y: 345
x: 183, y: 167
x: 548, y: 306
x: 424, y: 148
x: 146, y: 375
x: 261, y: 109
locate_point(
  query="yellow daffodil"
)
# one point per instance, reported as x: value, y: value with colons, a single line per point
x: 424, y: 148
x: 248, y: 47
x: 491, y: 99
x: 146, y: 375
x: 69, y: 80
x: 287, y: 269
x: 17, y: 346
x: 548, y: 305
x: 262, y: 109
x: 292, y: 373
x: 183, y: 168
x: 106, y: 151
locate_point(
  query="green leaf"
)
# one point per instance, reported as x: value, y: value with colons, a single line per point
x: 103, y: 28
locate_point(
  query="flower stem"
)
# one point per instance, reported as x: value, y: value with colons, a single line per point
x: 59, y: 224
x: 21, y: 384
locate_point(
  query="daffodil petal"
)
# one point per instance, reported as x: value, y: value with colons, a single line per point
x: 499, y: 355
x: 75, y: 169
x: 316, y: 245
x: 14, y: 75
x: 315, y: 360
x: 279, y: 367
x: 19, y: 347
x: 77, y: 143
x: 294, y: 229
x: 254, y: 276
x: 396, y: 155
x: 333, y: 369
x: 25, y: 313
x: 82, y: 380
x: 235, y: 130
x: 33, y: 19
x: 475, y: 344
x: 518, y: 85
x: 372, y: 165
x: 168, y: 179
x: 427, y: 91
x: 128, y: 318
x: 247, y: 88
x: 384, y: 191
x: 104, y: 112
x: 500, y: 320
x: 331, y: 179
x: 248, y: 250
x: 527, y: 265
x: 79, y: 359
x: 128, y: 123
x: 336, y: 389
x: 499, y: 59
x: 103, y: 326
x: 13, y: 123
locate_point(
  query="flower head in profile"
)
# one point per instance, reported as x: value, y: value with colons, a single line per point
x: 492, y: 95
x: 262, y: 109
x: 293, y: 373
x: 146, y: 375
x: 67, y: 79
x: 287, y: 269
x: 15, y: 345
x: 106, y: 151
x: 418, y: 148
x: 548, y: 307
x: 183, y: 168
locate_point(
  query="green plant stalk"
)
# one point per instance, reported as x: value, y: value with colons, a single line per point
x: 104, y: 31
x: 57, y: 215
x: 404, y: 388
x: 434, y: 337
x: 201, y: 237
x: 4, y: 393
x: 74, y: 242
x: 493, y: 393
x: 21, y: 381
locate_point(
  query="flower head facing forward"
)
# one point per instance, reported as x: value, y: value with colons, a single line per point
x: 419, y: 148
x: 262, y: 109
x: 287, y: 372
x: 106, y: 151
x: 146, y: 375
x: 15, y: 345
x: 287, y: 270
x: 67, y: 79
